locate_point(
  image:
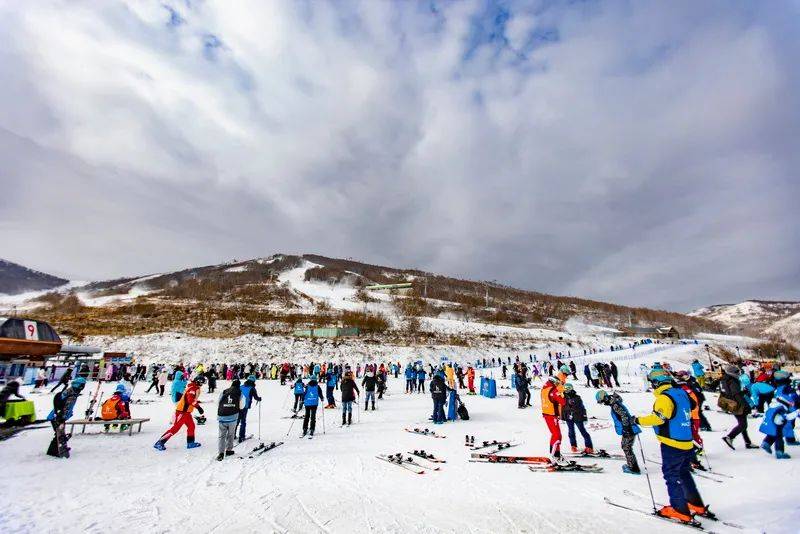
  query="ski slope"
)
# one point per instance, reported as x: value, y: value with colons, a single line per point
x: 333, y: 483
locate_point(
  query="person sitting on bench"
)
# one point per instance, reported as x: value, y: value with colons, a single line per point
x: 115, y: 407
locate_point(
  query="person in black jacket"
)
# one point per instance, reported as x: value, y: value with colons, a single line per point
x: 574, y: 413
x: 438, y: 391
x: 12, y: 388
x: 369, y: 382
x: 732, y: 400
x: 64, y: 381
x: 349, y: 392
x: 614, y: 372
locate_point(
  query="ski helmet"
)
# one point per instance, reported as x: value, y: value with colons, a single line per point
x: 78, y: 383
x: 568, y: 387
x: 120, y: 388
x: 565, y: 369
x: 659, y: 376
x: 601, y: 396
x: 780, y: 374
x: 251, y: 378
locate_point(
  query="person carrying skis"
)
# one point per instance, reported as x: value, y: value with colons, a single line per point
x: 671, y: 422
x: 228, y: 408
x: 299, y: 390
x: 183, y: 415
x: 311, y: 397
x: 369, y: 382
x: 349, y: 392
x: 63, y: 405
x: 574, y: 413
x: 552, y: 403
x: 178, y: 386
x: 782, y: 409
x: 624, y: 425
x: 249, y: 394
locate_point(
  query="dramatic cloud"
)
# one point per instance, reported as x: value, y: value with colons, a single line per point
x: 640, y: 152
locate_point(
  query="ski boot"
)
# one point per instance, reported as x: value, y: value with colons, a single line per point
x: 767, y: 448
x: 349, y: 418
x: 792, y: 442
x: 229, y: 453
x: 303, y: 434
x: 702, y: 511
x: 588, y: 450
x: 159, y: 446
x: 220, y: 457
x: 192, y: 445
x: 344, y: 419
x: 729, y: 442
x: 628, y: 470
x: 574, y: 449
x: 671, y: 513
x: 780, y: 455
x: 751, y: 446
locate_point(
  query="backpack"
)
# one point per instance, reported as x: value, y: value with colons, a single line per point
x: 462, y: 412
x: 108, y: 410
x: 228, y: 403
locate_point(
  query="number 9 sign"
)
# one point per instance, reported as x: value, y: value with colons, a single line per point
x: 31, y: 330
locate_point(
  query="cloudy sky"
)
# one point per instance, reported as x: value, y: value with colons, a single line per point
x: 641, y: 152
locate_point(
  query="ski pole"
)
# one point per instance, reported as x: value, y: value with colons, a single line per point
x: 259, y: 421
x: 323, y: 420
x: 292, y: 424
x: 647, y: 473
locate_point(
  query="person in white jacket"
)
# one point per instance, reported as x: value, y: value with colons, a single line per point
x: 162, y: 381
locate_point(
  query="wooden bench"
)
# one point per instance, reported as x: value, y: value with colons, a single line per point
x: 85, y: 422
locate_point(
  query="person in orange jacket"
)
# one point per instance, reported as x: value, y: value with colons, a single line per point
x: 183, y: 415
x: 471, y: 380
x: 552, y: 402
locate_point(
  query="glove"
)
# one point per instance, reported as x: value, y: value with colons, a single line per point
x: 200, y: 409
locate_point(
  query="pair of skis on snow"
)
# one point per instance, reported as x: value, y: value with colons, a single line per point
x: 262, y: 448
x: 497, y: 445
x: 536, y: 463
x: 408, y: 463
x: 425, y: 432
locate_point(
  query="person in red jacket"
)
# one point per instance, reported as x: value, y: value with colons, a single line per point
x: 552, y: 402
x: 183, y: 415
x: 471, y: 379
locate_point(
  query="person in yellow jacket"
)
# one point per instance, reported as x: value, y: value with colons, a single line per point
x: 671, y: 421
x: 451, y: 376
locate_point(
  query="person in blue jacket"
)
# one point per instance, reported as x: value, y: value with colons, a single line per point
x: 421, y: 379
x: 761, y: 394
x: 332, y: 379
x: 299, y: 390
x: 410, y: 378
x: 699, y: 372
x: 178, y: 386
x: 625, y: 426
x: 783, y: 383
x: 63, y: 406
x: 781, y: 410
x: 311, y: 397
x: 249, y: 394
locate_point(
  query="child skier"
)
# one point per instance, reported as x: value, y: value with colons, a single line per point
x: 183, y: 415
x: 115, y: 407
x: 299, y: 390
x: 471, y: 379
x: 369, y: 382
x: 782, y: 409
x: 625, y: 426
x: 63, y: 405
x: 552, y: 403
x: 330, y: 385
x: 249, y: 394
x: 574, y: 413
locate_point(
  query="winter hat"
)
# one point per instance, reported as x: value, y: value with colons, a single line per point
x: 780, y: 374
x: 251, y: 378
x: 236, y: 383
x: 601, y: 396
x: 568, y: 387
x: 732, y: 370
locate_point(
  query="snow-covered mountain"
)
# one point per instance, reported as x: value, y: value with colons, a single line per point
x: 16, y: 279
x: 760, y: 317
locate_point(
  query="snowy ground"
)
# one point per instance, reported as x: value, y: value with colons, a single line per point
x: 333, y: 483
